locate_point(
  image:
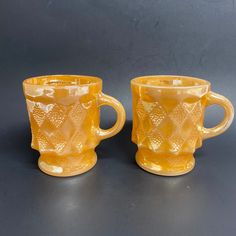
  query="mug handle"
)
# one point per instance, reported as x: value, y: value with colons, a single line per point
x: 104, y: 100
x: 214, y: 98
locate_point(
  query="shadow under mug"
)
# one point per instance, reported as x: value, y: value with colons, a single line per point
x: 168, y: 115
x: 64, y: 117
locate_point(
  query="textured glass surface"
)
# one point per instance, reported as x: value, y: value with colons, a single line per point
x: 168, y: 115
x: 64, y: 117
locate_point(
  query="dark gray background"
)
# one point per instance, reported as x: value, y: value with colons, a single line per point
x: 116, y: 40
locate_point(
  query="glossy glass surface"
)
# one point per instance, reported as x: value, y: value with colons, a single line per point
x: 64, y: 116
x: 168, y: 115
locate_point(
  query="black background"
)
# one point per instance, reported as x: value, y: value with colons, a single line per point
x: 116, y: 40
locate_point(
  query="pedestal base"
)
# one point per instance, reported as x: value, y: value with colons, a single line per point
x: 165, y: 164
x: 64, y: 166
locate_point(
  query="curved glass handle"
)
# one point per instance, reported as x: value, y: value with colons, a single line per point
x: 120, y: 111
x: 214, y: 98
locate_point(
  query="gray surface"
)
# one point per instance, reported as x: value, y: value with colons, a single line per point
x: 116, y: 40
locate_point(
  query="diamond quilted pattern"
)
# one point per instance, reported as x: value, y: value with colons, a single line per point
x: 155, y: 140
x: 161, y: 129
x: 38, y: 114
x: 56, y: 115
x: 58, y: 128
x: 179, y: 114
x: 58, y: 140
x: 43, y: 142
x: 141, y: 110
x: 157, y: 115
x: 196, y: 111
x: 78, y: 114
x: 176, y: 142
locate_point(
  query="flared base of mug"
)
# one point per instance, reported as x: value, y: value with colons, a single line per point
x: 165, y: 164
x: 65, y: 166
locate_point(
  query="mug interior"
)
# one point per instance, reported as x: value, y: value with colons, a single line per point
x: 170, y: 81
x: 63, y: 80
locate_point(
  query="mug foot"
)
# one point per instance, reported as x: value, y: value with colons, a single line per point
x: 165, y: 164
x: 65, y: 166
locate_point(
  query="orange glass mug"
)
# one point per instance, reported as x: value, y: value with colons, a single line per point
x: 64, y: 116
x: 168, y: 115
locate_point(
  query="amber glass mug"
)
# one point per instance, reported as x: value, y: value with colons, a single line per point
x: 64, y: 116
x: 168, y: 115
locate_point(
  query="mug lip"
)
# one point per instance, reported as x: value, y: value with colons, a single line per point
x: 202, y: 82
x: 94, y: 80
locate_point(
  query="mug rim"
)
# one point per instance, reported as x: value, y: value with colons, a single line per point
x: 94, y: 80
x: 201, y: 82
